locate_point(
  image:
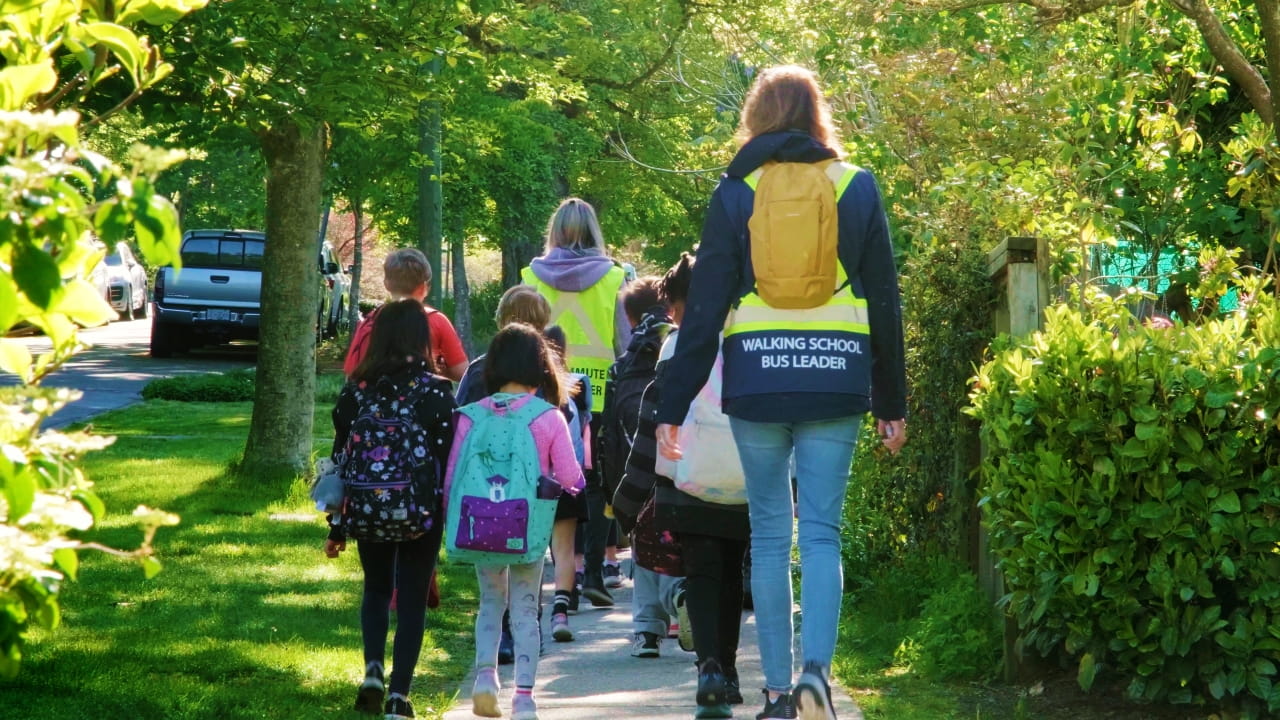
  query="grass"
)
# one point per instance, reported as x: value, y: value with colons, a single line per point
x: 248, y: 618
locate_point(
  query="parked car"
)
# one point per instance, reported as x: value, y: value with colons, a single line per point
x: 126, y: 283
x: 338, y: 283
x: 216, y: 297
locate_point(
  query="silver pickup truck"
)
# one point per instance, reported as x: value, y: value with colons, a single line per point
x: 214, y: 298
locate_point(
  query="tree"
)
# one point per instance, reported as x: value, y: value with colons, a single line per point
x: 287, y: 72
x: 55, y: 195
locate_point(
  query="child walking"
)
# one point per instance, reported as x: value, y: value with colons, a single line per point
x: 519, y: 364
x: 394, y: 385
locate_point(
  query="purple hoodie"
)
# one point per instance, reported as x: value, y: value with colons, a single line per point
x: 576, y: 270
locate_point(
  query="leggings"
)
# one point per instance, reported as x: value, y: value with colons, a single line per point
x: 713, y: 595
x: 525, y: 583
x: 408, y: 566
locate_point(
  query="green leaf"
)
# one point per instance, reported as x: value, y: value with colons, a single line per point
x: 1228, y: 502
x: 1087, y: 671
x: 82, y: 302
x: 15, y: 358
x: 1192, y: 437
x: 8, y: 303
x: 150, y: 566
x: 120, y: 41
x: 20, y: 83
x: 1220, y: 395
x: 20, y: 492
x: 67, y: 560
x: 157, y: 12
x: 36, y: 274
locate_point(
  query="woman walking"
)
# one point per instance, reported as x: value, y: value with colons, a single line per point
x: 813, y: 342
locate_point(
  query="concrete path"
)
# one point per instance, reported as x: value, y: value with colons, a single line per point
x: 595, y: 678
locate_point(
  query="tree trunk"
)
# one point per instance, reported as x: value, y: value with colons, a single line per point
x: 517, y: 251
x: 430, y: 199
x: 357, y: 266
x: 279, y: 443
x: 461, y: 292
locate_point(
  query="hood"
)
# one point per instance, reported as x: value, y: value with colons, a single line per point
x: 789, y: 146
x: 650, y: 332
x: 571, y: 270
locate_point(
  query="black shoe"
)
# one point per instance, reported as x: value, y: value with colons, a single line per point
x: 781, y: 708
x: 369, y: 696
x: 397, y: 708
x: 645, y: 645
x: 812, y: 694
x: 593, y: 589
x: 612, y: 574
x: 712, y: 700
x: 732, y: 691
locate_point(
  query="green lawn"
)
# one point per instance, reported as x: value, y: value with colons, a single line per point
x: 248, y: 618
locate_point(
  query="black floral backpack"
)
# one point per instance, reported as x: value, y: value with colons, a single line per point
x: 390, y: 476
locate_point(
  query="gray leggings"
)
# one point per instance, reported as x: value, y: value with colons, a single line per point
x: 525, y: 583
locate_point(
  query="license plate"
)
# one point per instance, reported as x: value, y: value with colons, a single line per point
x: 217, y: 315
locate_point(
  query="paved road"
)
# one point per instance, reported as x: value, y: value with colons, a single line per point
x: 113, y: 372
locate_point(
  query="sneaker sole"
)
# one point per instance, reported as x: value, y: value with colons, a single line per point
x: 485, y: 704
x: 720, y: 710
x: 810, y: 703
x: 646, y: 653
x: 685, y: 634
x: 598, y: 598
x: 562, y: 634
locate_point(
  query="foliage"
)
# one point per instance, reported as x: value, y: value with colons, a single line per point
x: 55, y: 196
x: 484, y: 311
x: 1130, y: 492
x: 234, y: 386
x: 955, y: 636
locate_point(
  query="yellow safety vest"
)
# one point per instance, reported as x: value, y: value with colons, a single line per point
x: 587, y: 319
x: 826, y: 349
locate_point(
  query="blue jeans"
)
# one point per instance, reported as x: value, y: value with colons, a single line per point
x: 823, y: 453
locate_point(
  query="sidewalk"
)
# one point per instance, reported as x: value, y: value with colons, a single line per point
x: 595, y: 678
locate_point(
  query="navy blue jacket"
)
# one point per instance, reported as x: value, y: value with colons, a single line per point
x: 723, y: 275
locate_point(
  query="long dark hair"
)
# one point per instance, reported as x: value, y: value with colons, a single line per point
x: 401, y: 337
x: 519, y: 354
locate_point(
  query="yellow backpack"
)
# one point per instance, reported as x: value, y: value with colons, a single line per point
x: 794, y: 233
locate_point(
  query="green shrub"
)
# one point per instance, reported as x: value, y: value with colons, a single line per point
x: 234, y: 386
x: 1131, y: 490
x: 957, y: 634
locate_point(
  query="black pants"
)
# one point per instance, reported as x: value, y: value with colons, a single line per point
x: 713, y: 595
x: 596, y: 532
x: 405, y: 566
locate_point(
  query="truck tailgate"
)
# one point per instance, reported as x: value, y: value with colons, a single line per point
x: 217, y: 287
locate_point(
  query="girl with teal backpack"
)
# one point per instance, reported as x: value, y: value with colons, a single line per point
x: 512, y: 459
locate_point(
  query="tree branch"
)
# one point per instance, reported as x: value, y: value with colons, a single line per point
x: 1228, y: 54
x: 1269, y: 15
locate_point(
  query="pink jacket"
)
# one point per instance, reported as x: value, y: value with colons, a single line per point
x: 550, y: 434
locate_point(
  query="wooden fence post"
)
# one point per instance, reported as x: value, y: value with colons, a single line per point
x: 1018, y: 267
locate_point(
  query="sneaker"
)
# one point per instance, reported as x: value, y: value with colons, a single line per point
x: 732, y: 691
x: 781, y: 708
x: 560, y: 628
x: 369, y: 696
x: 524, y: 708
x: 646, y: 645
x: 397, y: 708
x: 593, y: 589
x: 812, y: 694
x: 612, y: 575
x: 712, y: 702
x: 484, y: 693
x: 685, y: 636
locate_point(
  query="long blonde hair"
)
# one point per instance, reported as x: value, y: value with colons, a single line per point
x: 574, y: 226
x: 788, y: 97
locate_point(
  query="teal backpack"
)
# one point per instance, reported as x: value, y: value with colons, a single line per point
x: 501, y: 508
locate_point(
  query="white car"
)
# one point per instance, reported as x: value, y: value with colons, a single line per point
x: 126, y: 283
x: 338, y: 284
